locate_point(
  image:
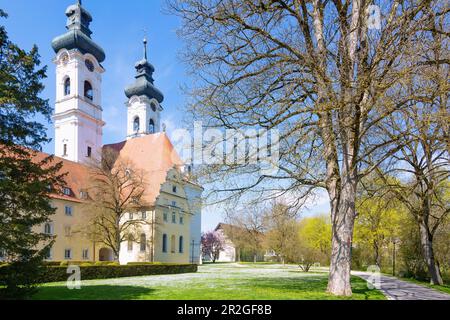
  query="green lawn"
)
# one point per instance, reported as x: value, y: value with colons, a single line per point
x: 444, y: 288
x: 211, y: 282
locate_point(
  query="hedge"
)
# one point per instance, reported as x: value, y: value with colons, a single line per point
x: 59, y: 273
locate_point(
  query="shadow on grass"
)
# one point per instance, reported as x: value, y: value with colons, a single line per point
x: 313, y: 287
x: 100, y: 292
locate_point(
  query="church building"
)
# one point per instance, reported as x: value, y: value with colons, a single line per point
x: 173, y: 200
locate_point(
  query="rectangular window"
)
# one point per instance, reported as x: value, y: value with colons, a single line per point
x: 164, y: 243
x: 85, y: 254
x: 2, y: 254
x: 130, y: 243
x: 174, y: 189
x: 144, y: 215
x: 172, y: 244
x: 165, y: 216
x: 143, y: 242
x: 49, y: 255
x: 130, y: 216
x: 64, y: 150
x: 180, y: 244
x: 174, y: 217
x: 68, y: 211
x: 174, y: 203
x: 181, y: 219
x: 48, y: 229
x: 89, y: 152
x: 67, y: 231
x: 68, y: 254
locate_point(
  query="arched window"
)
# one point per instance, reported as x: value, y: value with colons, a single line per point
x: 67, y: 87
x: 172, y: 244
x: 88, y: 92
x: 136, y: 124
x: 180, y: 244
x: 164, y: 243
x: 151, y: 126
x: 143, y: 242
x: 130, y: 242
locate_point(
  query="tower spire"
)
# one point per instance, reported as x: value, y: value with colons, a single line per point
x: 145, y: 47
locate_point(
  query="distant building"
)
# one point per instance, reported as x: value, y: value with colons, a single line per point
x: 232, y: 252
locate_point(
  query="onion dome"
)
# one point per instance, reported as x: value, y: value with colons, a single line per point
x: 78, y: 35
x: 144, y: 84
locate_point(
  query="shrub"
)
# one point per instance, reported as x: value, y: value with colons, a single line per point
x: 148, y: 263
x: 91, y: 272
x: 86, y: 264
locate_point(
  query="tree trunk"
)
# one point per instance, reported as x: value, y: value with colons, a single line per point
x: 343, y: 218
x: 377, y: 254
x: 426, y: 240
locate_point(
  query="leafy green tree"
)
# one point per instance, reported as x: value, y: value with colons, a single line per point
x: 314, y: 240
x: 377, y: 225
x: 26, y: 177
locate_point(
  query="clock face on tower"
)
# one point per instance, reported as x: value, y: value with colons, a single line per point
x: 89, y: 65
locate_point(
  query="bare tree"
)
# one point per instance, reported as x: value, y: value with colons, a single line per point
x: 115, y: 191
x: 423, y: 165
x: 324, y: 73
x: 282, y: 231
x: 248, y: 229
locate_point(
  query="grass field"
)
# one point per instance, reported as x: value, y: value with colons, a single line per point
x: 211, y: 282
x: 444, y: 288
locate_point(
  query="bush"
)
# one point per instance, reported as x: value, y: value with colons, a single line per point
x: 148, y: 263
x: 91, y: 272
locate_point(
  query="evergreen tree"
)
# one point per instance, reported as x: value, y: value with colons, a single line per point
x: 26, y: 177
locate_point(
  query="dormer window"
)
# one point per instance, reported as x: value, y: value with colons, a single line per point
x: 151, y: 126
x: 88, y: 92
x: 67, y: 87
x: 84, y: 195
x: 67, y: 191
x: 136, y: 125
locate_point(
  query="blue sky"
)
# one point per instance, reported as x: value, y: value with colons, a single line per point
x: 118, y: 28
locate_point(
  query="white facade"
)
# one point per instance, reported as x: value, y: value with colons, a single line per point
x: 143, y: 116
x: 228, y: 254
x: 194, y: 196
x: 78, y: 112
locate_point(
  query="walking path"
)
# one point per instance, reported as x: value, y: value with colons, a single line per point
x: 395, y: 289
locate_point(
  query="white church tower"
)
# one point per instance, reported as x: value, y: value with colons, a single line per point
x: 144, y: 101
x: 78, y: 111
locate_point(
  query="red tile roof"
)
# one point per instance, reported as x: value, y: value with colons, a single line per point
x: 154, y: 154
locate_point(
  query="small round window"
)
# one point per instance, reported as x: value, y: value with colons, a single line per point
x: 89, y: 65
